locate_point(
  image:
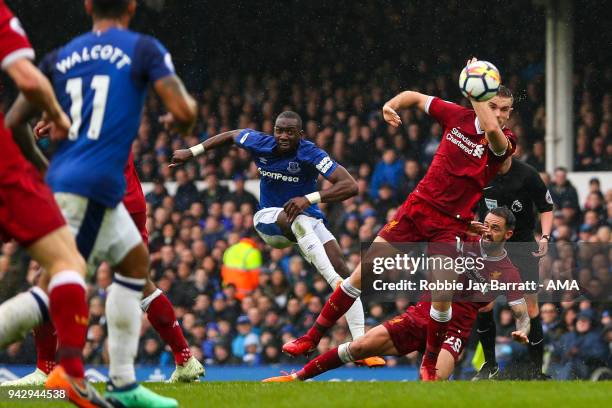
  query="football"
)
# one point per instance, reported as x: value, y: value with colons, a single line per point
x: 480, y: 81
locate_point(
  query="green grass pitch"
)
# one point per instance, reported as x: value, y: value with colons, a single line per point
x: 374, y: 394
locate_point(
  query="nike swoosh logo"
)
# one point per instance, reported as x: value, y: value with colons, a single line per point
x: 486, y: 188
x: 83, y: 393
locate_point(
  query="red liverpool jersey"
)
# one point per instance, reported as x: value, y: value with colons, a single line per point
x: 463, y: 164
x: 466, y: 302
x: 134, y: 199
x: 14, y: 45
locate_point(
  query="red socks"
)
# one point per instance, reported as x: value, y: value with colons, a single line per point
x: 70, y: 315
x: 335, y: 307
x: 436, y: 333
x: 325, y: 362
x: 161, y: 315
x: 45, y: 340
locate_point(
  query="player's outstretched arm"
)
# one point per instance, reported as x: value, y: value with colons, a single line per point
x: 16, y: 119
x: 523, y: 324
x: 177, y: 100
x: 495, y: 136
x: 222, y: 139
x: 403, y: 100
x: 343, y: 186
x: 37, y: 89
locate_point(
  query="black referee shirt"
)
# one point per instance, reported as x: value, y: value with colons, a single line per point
x: 521, y: 190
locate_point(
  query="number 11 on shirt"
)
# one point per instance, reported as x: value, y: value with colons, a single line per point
x: 74, y: 87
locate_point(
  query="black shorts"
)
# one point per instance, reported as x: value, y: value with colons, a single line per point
x: 527, y: 264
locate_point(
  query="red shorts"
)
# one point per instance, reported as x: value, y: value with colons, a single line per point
x: 417, y: 221
x: 140, y: 219
x: 408, y: 332
x: 28, y: 211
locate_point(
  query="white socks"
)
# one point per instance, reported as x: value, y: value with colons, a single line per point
x: 344, y: 353
x: 123, y: 313
x: 146, y: 302
x: 355, y: 319
x: 439, y: 316
x: 22, y: 313
x: 312, y: 248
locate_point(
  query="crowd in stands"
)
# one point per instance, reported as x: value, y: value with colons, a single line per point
x: 341, y: 111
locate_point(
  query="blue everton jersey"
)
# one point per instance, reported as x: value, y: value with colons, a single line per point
x: 284, y: 177
x: 101, y: 79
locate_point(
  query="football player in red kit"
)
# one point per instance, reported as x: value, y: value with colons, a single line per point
x: 29, y: 214
x: 407, y: 333
x: 157, y: 305
x: 474, y: 144
x: 160, y: 312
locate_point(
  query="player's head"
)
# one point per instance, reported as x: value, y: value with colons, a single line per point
x: 501, y: 104
x: 110, y: 9
x: 501, y: 223
x: 288, y: 131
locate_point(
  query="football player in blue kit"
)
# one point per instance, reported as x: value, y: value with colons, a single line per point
x: 101, y: 79
x: 288, y: 214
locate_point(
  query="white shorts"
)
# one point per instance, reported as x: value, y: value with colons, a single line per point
x: 102, y: 233
x: 265, y: 225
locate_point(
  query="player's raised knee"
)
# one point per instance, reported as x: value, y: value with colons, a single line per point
x: 301, y: 226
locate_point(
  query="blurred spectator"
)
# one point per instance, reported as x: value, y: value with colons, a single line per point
x: 562, y: 190
x: 241, y: 266
x: 580, y: 351
x: 186, y: 191
x: 240, y: 196
x: 244, y: 329
x: 387, y: 171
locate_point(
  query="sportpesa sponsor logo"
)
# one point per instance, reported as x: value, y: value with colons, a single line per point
x: 324, y: 164
x: 464, y: 143
x: 278, y: 176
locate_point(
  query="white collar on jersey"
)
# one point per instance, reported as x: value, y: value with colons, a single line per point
x: 477, y: 126
x: 491, y: 258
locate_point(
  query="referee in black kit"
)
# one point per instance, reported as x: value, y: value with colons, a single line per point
x: 518, y: 186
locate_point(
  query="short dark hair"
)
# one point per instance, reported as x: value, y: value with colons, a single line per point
x: 504, y: 92
x: 507, y: 215
x: 291, y: 115
x: 109, y: 8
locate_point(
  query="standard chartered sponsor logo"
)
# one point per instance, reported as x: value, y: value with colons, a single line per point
x: 464, y: 143
x: 324, y: 164
x: 278, y: 176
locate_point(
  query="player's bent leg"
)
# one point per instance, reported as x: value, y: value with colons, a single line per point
x: 273, y: 228
x: 45, y: 341
x: 354, y: 316
x: 440, y: 315
x: 70, y: 315
x: 445, y: 365
x: 377, y: 341
x: 57, y: 251
x: 21, y: 313
x: 338, y: 304
x: 335, y: 256
x: 312, y: 248
x: 160, y: 314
